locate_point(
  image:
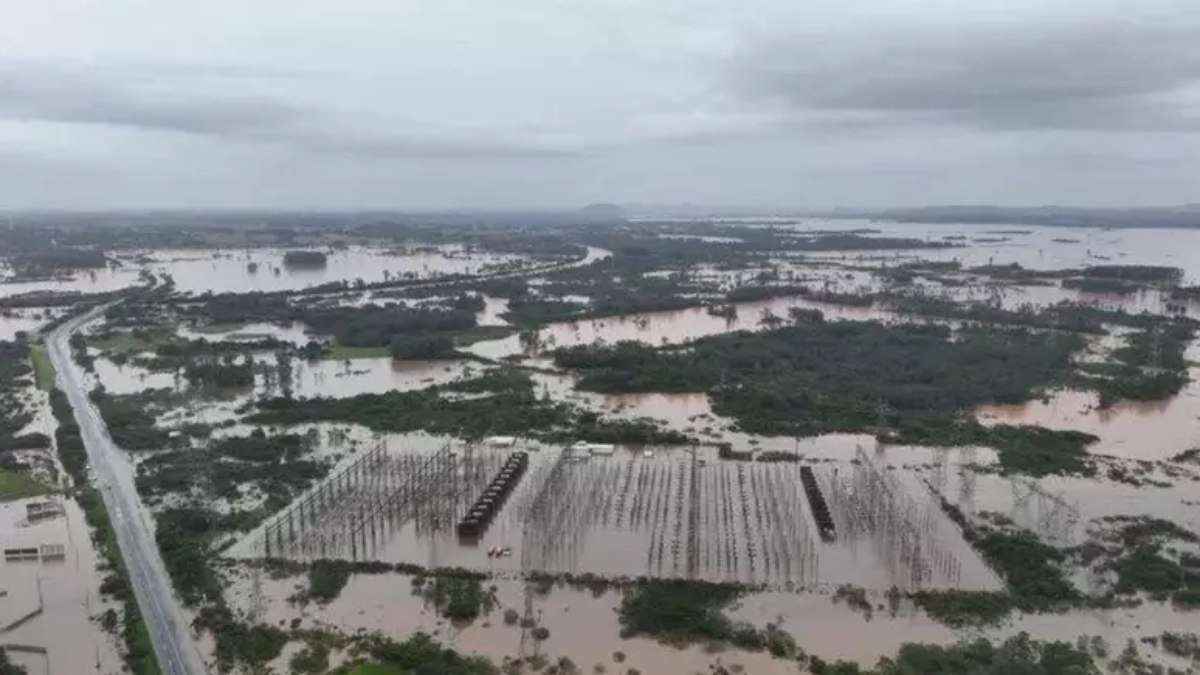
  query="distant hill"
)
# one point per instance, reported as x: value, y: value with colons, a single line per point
x: 603, y: 212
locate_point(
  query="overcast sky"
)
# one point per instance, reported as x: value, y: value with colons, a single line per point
x: 553, y: 103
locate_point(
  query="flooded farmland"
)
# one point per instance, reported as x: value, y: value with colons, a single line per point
x: 50, y: 600
x: 386, y: 446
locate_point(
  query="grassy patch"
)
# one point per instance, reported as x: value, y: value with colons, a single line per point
x: 326, y: 579
x: 376, y: 669
x: 340, y: 352
x: 459, y: 598
x: 43, y: 369
x: 420, y: 654
x: 19, y: 485
x: 1031, y: 569
x: 183, y: 535
x: 956, y: 608
x: 240, y: 643
x: 130, y: 342
x: 1036, y: 451
x: 677, y: 612
x: 1018, y: 654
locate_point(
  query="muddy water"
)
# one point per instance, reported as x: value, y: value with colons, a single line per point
x: 693, y: 414
x: 330, y: 378
x: 295, y: 333
x: 130, y: 379
x: 1018, y: 297
x: 628, y: 515
x: 1153, y: 430
x: 1150, y: 430
x: 585, y: 627
x: 67, y: 590
x: 229, y: 270
x: 670, y: 327
x: 1115, y: 627
x: 341, y: 379
x: 90, y: 281
x: 834, y: 631
x: 1037, y: 249
x: 1059, y: 508
x: 24, y: 320
x: 493, y: 308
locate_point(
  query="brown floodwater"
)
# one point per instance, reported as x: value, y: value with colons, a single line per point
x: 66, y: 590
x: 89, y: 281
x: 1149, y: 430
x: 24, y: 321
x: 1152, y: 430
x: 324, y: 377
x: 1059, y: 508
x: 295, y: 333
x: 668, y: 327
x: 342, y: 379
x: 585, y: 628
x: 644, y: 511
x: 229, y: 270
x: 1035, y: 250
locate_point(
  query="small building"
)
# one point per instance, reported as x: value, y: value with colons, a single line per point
x: 53, y: 551
x: 35, y: 511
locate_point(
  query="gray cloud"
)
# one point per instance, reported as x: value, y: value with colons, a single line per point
x: 1089, y: 74
x: 174, y: 98
x: 30, y: 92
x: 460, y: 103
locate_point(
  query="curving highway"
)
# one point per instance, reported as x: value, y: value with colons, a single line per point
x: 173, y: 644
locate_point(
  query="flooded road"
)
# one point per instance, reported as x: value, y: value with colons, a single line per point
x: 176, y: 651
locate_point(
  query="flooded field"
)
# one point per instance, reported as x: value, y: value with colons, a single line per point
x: 89, y: 281
x: 265, y: 270
x: 801, y: 525
x: 1148, y: 430
x: 50, y: 601
x: 1031, y: 246
x: 583, y: 627
x: 669, y: 327
x: 296, y: 333
x: 240, y: 271
x: 322, y: 377
x: 654, y: 512
x: 23, y: 321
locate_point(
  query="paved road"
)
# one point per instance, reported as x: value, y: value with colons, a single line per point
x: 177, y: 651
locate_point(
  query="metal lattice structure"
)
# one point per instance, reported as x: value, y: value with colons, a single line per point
x: 1049, y: 515
x: 350, y: 512
x: 725, y: 521
x: 872, y: 505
